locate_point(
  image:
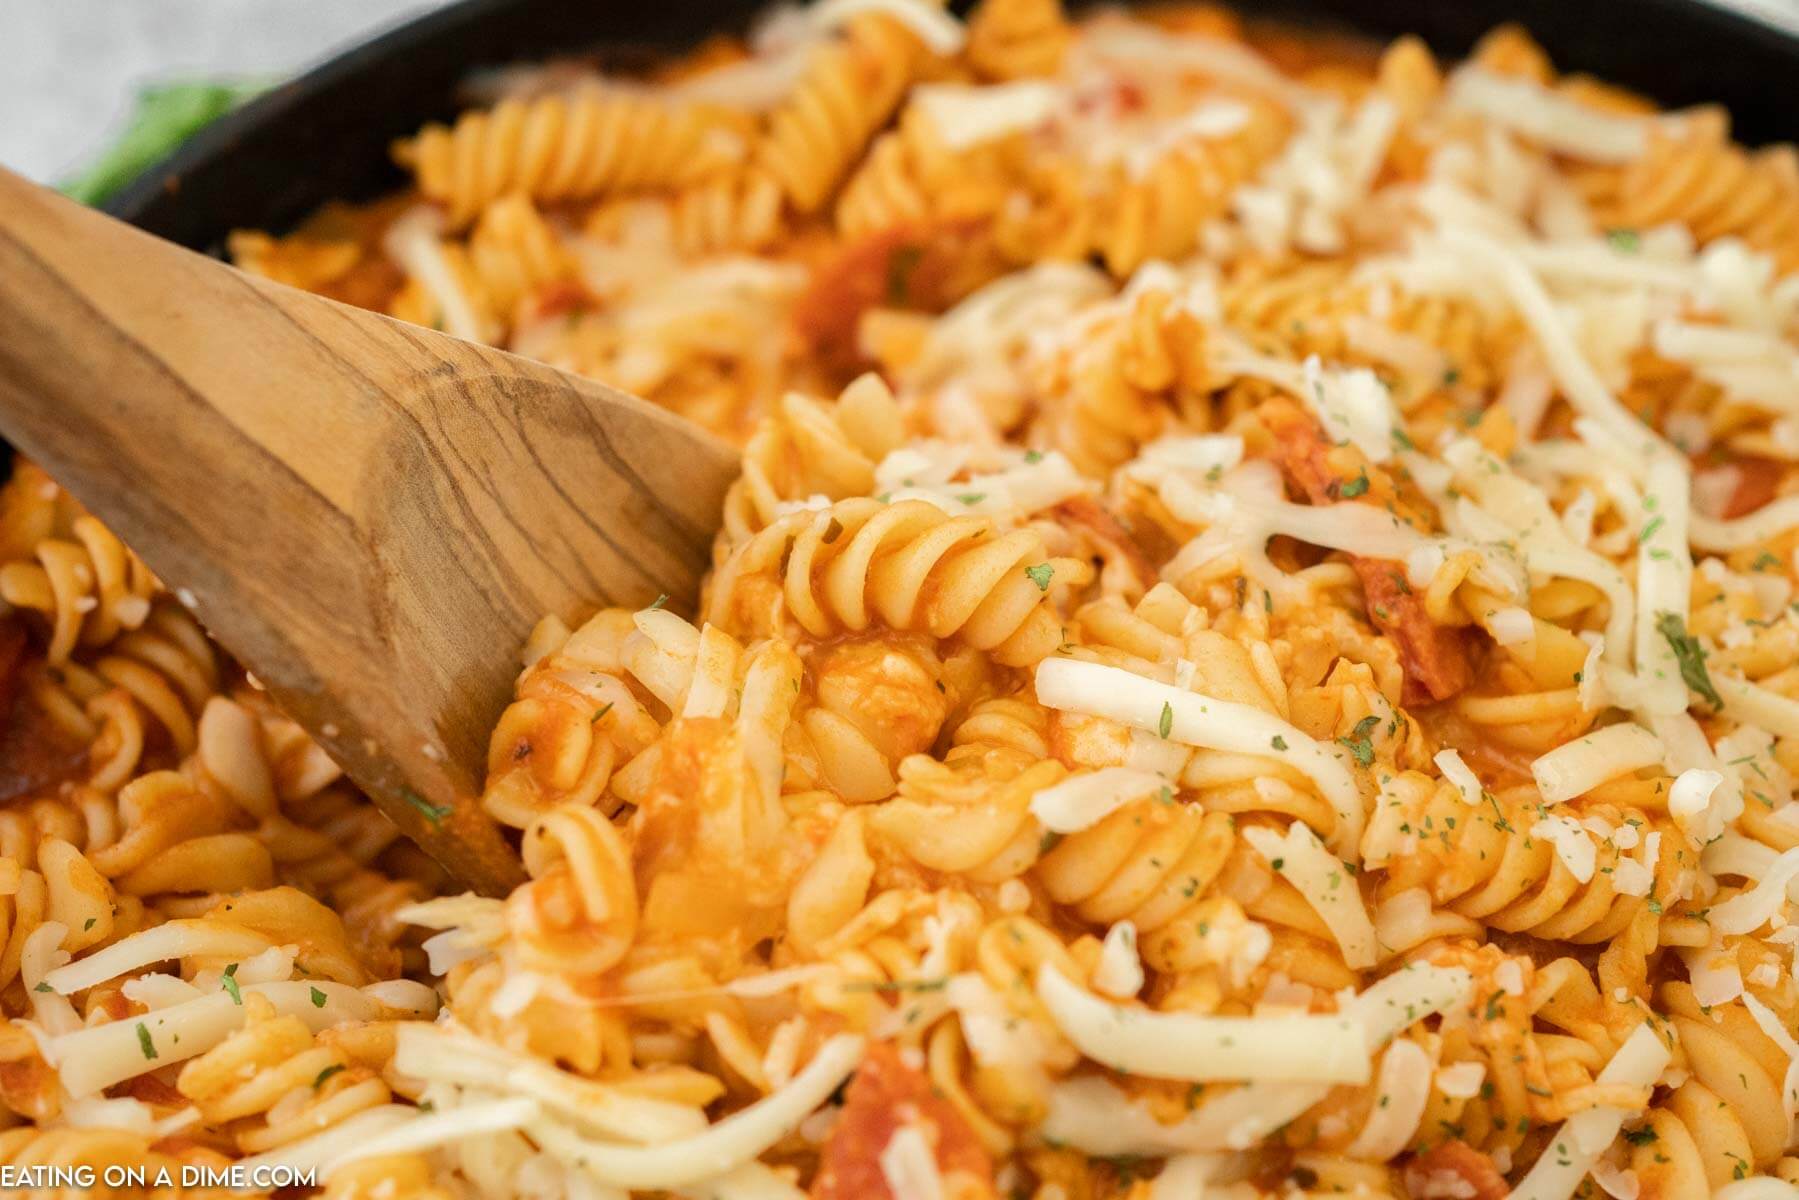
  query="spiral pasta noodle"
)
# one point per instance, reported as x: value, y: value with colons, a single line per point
x: 584, y: 144
x: 1252, y: 653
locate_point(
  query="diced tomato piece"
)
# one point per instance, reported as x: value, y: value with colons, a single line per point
x: 12, y: 658
x: 1110, y: 533
x: 885, y: 1095
x: 1757, y: 479
x: 1435, y: 657
x: 565, y: 296
x: 1436, y: 1173
x: 900, y: 267
x: 34, y: 754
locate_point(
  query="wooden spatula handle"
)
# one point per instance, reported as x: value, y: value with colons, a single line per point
x: 354, y: 505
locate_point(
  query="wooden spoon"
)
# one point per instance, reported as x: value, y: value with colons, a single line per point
x: 369, y: 515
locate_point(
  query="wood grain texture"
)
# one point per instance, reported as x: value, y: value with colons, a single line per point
x: 369, y: 515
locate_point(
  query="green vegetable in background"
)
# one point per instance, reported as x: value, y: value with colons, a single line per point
x: 167, y: 114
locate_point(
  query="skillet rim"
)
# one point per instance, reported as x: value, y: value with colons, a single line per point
x: 188, y: 196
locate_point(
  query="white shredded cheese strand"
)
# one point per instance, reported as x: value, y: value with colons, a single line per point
x: 1197, y: 720
x: 1664, y: 582
x: 1402, y: 1086
x: 97, y: 1057
x: 440, y: 1128
x: 966, y: 116
x: 1750, y: 910
x: 1770, y: 1024
x: 1573, y: 845
x: 1751, y: 704
x: 1580, y: 1141
x: 1690, y: 802
x: 1083, y: 801
x: 167, y: 942
x: 1575, y: 375
x: 447, y: 1054
x: 723, y: 1146
x: 1301, y: 859
x: 1552, y: 120
x: 1459, y: 773
x: 312, y: 1153
x: 1201, y: 1049
x: 1764, y: 524
x: 1585, y: 763
x: 412, y: 242
x: 909, y: 1165
x: 1119, y: 971
x: 940, y: 32
x: 1093, y: 1115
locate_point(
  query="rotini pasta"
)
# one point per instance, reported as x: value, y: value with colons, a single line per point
x: 1252, y: 653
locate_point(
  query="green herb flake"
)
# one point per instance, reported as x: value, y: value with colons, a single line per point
x: 657, y: 603
x: 1166, y: 724
x: 1278, y: 742
x: 229, y: 984
x: 1690, y: 655
x: 433, y: 813
x: 600, y: 713
x: 43, y: 987
x: 143, y: 1041
x: 1040, y: 575
x: 327, y: 1073
x: 1624, y: 241
x: 1355, y: 487
x: 318, y: 997
x: 1358, y: 742
x: 1033, y: 456
x: 972, y: 498
x: 897, y: 985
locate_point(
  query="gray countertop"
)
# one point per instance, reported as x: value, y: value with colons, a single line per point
x: 71, y: 67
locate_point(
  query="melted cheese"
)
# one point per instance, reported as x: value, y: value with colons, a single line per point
x: 1467, y: 783
x: 1195, y: 1048
x: 99, y: 1056
x: 1552, y: 120
x: 167, y: 942
x: 1212, y: 724
x: 1580, y: 1141
x: 1082, y: 801
x: 940, y: 32
x: 1093, y: 1115
x: 909, y: 1165
x: 1301, y: 859
x: 1585, y: 763
x: 1119, y: 971
x: 966, y: 116
x: 1750, y: 910
x: 1402, y: 1087
x: 448, y: 1054
x: 1573, y: 845
x: 723, y: 1146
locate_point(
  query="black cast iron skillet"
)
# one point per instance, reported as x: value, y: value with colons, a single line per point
x: 325, y: 135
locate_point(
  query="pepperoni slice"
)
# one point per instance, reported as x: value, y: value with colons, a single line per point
x: 884, y: 1096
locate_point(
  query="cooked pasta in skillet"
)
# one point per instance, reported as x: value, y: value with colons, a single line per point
x: 1254, y: 654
